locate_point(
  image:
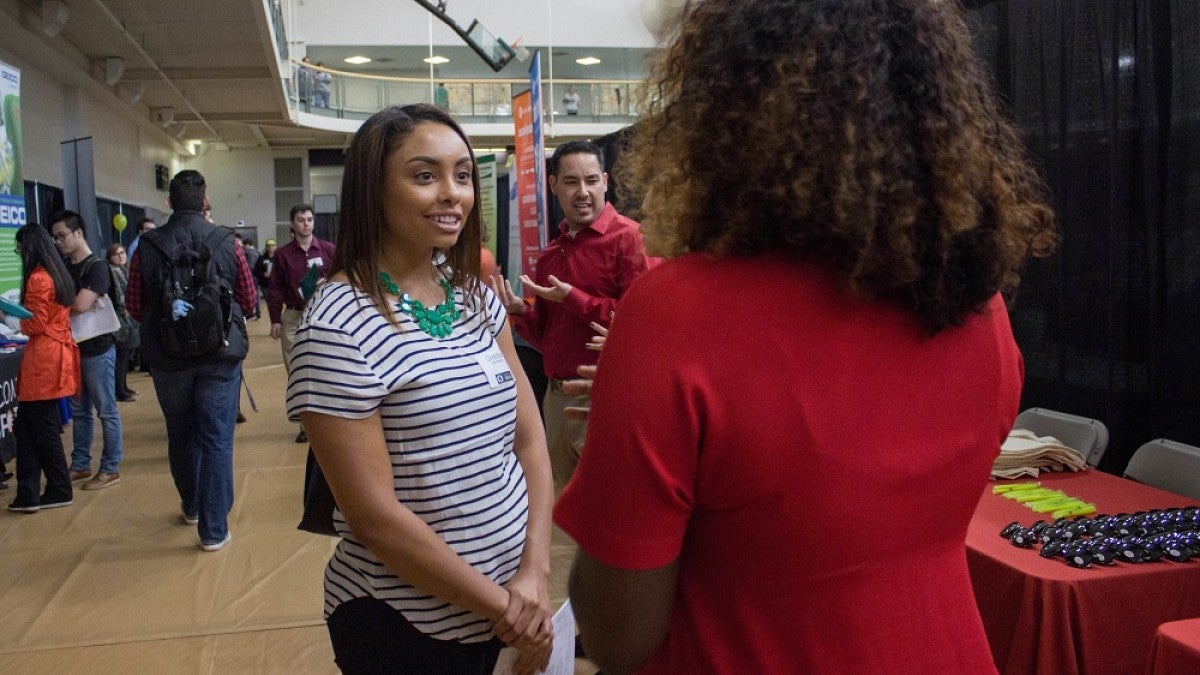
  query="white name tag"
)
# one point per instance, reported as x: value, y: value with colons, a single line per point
x: 495, y: 368
x: 316, y: 262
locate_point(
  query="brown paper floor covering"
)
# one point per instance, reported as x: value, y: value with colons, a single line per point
x: 115, y: 583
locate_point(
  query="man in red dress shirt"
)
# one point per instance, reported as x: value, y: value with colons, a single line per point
x: 578, y: 280
x: 285, y: 300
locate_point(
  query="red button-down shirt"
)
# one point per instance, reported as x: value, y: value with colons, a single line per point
x: 288, y: 269
x: 243, y: 288
x: 600, y: 262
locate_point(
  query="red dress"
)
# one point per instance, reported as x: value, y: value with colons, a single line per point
x: 810, y: 460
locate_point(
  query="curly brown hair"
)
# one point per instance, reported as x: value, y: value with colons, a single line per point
x: 860, y: 134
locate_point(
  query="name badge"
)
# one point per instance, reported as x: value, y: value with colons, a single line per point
x: 495, y: 368
x: 316, y: 262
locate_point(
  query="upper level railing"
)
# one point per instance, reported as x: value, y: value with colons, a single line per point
x: 275, y: 13
x: 355, y: 96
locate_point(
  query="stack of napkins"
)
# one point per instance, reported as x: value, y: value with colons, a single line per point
x: 1025, y: 454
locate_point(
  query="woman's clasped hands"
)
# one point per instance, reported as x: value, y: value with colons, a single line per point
x: 526, y: 624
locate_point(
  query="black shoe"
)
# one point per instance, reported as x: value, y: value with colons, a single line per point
x: 55, y: 501
x: 130, y: 392
x: 125, y: 398
x: 18, y: 506
x: 240, y: 418
x: 301, y: 437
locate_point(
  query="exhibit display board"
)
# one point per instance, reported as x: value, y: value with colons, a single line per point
x: 12, y: 183
x: 487, y: 200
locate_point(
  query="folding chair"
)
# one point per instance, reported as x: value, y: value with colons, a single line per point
x: 1167, y: 465
x: 1088, y: 436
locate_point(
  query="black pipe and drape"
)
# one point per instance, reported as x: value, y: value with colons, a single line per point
x: 1107, y: 95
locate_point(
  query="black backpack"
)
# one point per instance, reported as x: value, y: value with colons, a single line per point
x: 190, y: 274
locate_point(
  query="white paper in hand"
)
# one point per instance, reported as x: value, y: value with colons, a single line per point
x: 562, y: 655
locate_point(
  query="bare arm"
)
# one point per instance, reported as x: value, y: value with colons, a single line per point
x: 354, y: 458
x: 529, y: 611
x: 84, y: 300
x: 623, y: 615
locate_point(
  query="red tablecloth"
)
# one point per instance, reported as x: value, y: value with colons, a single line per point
x: 1176, y: 649
x: 1042, y: 616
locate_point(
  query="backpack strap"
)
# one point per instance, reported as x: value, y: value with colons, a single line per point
x: 152, y: 239
x: 90, y: 262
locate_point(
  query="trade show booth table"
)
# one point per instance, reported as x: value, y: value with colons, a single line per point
x: 1043, y: 616
x: 1176, y: 649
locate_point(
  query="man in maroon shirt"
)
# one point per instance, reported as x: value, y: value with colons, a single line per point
x: 304, y: 256
x: 578, y: 280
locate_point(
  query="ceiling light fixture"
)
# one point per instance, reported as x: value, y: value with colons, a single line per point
x: 358, y: 60
x: 587, y: 61
x: 114, y: 68
x: 435, y: 60
x: 54, y: 17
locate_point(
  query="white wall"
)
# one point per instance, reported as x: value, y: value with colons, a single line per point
x: 241, y: 186
x: 124, y: 151
x: 584, y: 23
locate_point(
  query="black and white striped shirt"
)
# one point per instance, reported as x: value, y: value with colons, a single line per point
x: 449, y: 416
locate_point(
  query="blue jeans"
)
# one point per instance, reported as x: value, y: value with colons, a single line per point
x: 199, y: 405
x: 100, y: 392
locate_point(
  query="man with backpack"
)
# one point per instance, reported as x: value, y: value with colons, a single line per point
x: 98, y: 360
x: 190, y: 287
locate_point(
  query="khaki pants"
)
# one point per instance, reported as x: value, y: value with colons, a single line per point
x: 564, y: 438
x: 290, y: 320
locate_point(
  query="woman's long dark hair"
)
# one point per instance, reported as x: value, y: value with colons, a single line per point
x: 37, y: 247
x: 362, y: 222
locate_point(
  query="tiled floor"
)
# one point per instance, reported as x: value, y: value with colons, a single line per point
x: 115, y: 584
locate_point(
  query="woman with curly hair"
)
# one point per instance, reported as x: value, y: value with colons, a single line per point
x: 794, y: 418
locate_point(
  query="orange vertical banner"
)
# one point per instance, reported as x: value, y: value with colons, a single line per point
x: 529, y: 220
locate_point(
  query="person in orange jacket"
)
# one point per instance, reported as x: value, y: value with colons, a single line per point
x: 49, y: 371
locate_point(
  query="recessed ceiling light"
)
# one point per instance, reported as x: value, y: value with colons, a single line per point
x: 436, y: 59
x: 587, y: 61
x: 358, y: 60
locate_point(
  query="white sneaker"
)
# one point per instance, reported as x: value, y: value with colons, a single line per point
x: 216, y: 546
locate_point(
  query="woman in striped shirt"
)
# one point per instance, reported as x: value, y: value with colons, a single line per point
x: 405, y: 375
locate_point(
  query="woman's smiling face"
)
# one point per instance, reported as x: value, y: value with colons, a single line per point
x: 428, y: 188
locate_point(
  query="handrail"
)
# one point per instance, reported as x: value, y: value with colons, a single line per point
x: 340, y: 94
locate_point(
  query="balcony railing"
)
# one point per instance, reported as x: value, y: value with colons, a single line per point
x: 355, y: 96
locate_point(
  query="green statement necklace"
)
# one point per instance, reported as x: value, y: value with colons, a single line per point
x: 436, y: 321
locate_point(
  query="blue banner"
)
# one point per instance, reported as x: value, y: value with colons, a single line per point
x: 539, y: 145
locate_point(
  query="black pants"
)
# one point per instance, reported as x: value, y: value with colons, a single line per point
x: 369, y: 636
x: 122, y: 371
x: 38, y: 430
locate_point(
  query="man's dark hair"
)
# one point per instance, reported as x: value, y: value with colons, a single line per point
x: 186, y: 191
x: 575, y: 148
x: 142, y: 225
x: 72, y: 220
x: 250, y: 243
x: 299, y: 208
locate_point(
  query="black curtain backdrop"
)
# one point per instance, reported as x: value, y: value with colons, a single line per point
x: 1107, y: 96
